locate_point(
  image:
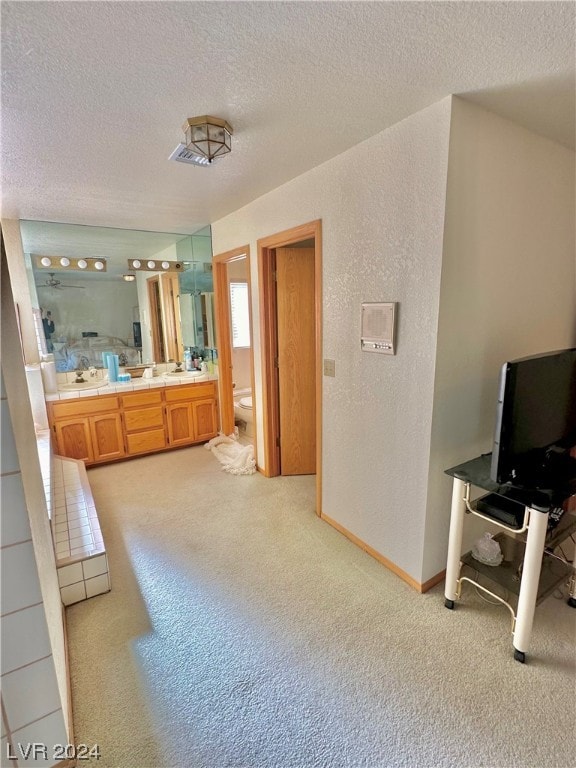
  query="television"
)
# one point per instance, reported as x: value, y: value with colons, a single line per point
x: 536, y: 421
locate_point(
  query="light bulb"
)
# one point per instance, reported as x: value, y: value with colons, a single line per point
x: 65, y: 261
x: 82, y: 263
x: 165, y: 265
x: 99, y: 265
x: 151, y: 264
x: 136, y: 263
x: 45, y: 261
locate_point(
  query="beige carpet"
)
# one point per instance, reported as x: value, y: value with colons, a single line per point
x: 243, y: 631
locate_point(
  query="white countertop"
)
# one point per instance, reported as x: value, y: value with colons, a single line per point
x: 68, y: 392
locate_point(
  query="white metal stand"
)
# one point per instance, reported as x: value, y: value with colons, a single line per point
x: 537, y: 526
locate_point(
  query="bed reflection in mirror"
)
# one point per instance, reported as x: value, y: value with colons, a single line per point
x: 96, y: 312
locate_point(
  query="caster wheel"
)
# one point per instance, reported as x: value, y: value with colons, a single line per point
x: 449, y: 603
x: 519, y: 656
x: 572, y: 602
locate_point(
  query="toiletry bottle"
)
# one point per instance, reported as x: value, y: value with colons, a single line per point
x: 187, y: 360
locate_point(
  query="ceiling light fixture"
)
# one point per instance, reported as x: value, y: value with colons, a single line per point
x: 154, y: 266
x: 206, y: 139
x: 129, y: 278
x: 89, y: 264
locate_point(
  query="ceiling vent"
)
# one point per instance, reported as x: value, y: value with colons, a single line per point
x: 183, y: 155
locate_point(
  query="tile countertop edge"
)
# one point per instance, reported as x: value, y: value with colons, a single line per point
x: 133, y: 385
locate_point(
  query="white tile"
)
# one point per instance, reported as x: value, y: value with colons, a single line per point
x: 60, y: 527
x: 79, y: 527
x: 24, y: 638
x: 49, y: 730
x: 68, y: 395
x: 14, y: 519
x: 81, y: 541
x: 97, y: 586
x: 62, y: 547
x: 70, y: 574
x: 79, y: 553
x: 73, y: 593
x: 21, y: 707
x: 8, y: 455
x: 95, y: 566
x: 20, y: 585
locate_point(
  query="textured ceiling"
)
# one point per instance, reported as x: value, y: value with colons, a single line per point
x: 95, y: 93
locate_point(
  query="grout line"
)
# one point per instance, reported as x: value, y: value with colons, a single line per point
x: 12, y: 472
x: 37, y: 720
x: 28, y: 664
x: 24, y: 608
x: 8, y: 731
x: 16, y: 543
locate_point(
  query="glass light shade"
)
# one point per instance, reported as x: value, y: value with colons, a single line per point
x: 165, y: 265
x: 151, y: 264
x: 99, y: 265
x: 136, y: 263
x: 45, y: 261
x: 82, y: 263
x: 208, y: 136
x: 64, y: 261
x: 129, y: 278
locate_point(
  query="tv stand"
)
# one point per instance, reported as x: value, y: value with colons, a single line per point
x: 529, y: 572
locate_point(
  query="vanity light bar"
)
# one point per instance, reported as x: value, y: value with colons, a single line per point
x: 155, y: 265
x: 63, y: 262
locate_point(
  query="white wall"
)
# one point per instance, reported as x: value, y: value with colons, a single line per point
x: 35, y: 703
x: 508, y: 285
x: 382, y: 210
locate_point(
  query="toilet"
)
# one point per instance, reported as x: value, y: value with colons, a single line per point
x: 243, y: 412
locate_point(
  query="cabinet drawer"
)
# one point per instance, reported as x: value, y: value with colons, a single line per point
x: 189, y: 392
x: 152, y: 440
x: 144, y: 418
x: 148, y: 397
x: 84, y: 407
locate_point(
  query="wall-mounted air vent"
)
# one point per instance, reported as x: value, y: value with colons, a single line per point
x: 183, y: 155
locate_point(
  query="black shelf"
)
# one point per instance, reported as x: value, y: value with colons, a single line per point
x: 508, y: 574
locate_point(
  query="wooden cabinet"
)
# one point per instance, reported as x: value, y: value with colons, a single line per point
x: 144, y: 421
x: 106, y: 428
x: 73, y: 438
x: 107, y: 436
x: 191, y: 413
x: 89, y: 429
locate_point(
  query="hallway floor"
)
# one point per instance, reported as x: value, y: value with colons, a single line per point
x: 243, y: 631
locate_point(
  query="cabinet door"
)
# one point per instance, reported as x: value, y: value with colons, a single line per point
x: 73, y: 438
x: 205, y: 423
x: 107, y: 437
x: 180, y: 423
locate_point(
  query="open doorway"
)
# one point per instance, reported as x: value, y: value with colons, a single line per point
x: 290, y: 279
x: 232, y: 292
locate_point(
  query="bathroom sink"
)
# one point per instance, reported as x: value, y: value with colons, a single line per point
x: 81, y: 385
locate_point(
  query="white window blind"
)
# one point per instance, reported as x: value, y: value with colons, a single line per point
x: 240, y: 317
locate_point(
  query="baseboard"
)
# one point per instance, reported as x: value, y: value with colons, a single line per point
x: 384, y: 560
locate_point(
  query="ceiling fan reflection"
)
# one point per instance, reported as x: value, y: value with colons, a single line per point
x: 52, y: 282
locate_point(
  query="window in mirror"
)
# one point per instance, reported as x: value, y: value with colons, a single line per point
x: 240, y: 316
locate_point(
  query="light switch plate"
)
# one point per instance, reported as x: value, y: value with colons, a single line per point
x: 329, y: 367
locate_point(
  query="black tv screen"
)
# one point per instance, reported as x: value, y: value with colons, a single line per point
x: 535, y: 419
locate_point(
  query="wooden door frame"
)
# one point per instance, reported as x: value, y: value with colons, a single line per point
x: 267, y: 294
x: 155, y: 302
x: 224, y: 338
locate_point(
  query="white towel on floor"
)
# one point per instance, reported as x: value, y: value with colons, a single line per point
x: 237, y: 459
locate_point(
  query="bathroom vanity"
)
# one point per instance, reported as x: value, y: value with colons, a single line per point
x: 112, y: 425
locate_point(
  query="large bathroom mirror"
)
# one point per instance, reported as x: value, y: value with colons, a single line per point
x: 141, y: 316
